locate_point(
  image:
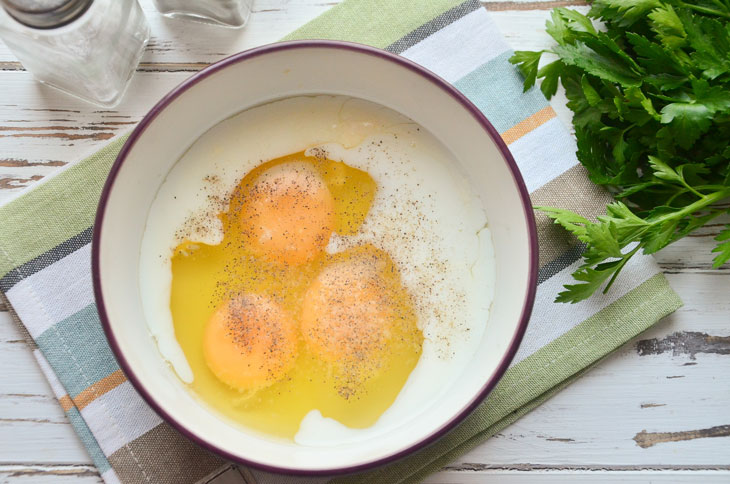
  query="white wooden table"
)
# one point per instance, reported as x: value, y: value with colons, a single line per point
x: 658, y: 410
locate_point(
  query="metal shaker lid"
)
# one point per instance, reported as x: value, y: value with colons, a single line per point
x: 45, y: 14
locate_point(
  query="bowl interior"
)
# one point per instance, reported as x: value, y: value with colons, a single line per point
x: 264, y: 75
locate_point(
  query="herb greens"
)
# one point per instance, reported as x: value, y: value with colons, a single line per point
x: 649, y: 86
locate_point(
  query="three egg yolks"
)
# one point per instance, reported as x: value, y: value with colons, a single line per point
x: 272, y: 325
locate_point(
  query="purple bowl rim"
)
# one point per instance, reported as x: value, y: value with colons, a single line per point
x: 362, y: 49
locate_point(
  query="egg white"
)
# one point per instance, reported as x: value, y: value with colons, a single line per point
x: 425, y: 215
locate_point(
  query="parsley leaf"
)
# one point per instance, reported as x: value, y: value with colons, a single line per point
x: 623, y: 13
x: 687, y: 121
x: 710, y: 40
x: 550, y: 75
x: 605, y: 66
x: 527, y: 63
x: 668, y: 26
x: 650, y: 93
x: 592, y: 280
x: 714, y: 98
x: 723, y: 248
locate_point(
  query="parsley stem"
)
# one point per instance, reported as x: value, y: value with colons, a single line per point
x: 720, y: 4
x: 708, y: 11
x: 696, y: 190
x: 688, y: 210
x: 621, y: 265
x: 673, y: 197
x: 693, y: 207
x: 691, y: 189
x: 711, y: 187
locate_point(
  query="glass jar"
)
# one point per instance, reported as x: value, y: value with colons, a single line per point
x: 87, y: 48
x: 228, y: 13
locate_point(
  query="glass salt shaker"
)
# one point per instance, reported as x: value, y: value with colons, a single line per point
x: 228, y: 13
x: 87, y: 48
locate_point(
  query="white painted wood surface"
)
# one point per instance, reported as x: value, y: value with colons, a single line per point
x: 674, y: 400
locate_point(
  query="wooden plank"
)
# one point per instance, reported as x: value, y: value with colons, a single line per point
x: 30, y: 442
x: 33, y: 428
x: 87, y: 475
x: 20, y: 370
x: 668, y: 380
x: 45, y: 474
x: 589, y: 476
x: 693, y: 254
x: 41, y: 131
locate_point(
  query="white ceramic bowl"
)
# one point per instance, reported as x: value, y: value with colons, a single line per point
x: 273, y: 72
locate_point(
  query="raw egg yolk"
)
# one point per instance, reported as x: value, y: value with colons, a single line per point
x: 250, y: 342
x: 347, y: 314
x: 288, y: 214
x: 272, y: 324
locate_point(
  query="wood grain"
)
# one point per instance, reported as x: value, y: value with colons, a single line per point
x: 581, y: 476
x: 646, y: 439
x: 86, y: 475
x: 47, y: 474
x: 17, y: 163
x: 685, y: 343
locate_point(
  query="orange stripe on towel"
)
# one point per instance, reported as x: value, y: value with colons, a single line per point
x: 99, y: 388
x: 526, y: 125
x: 66, y: 403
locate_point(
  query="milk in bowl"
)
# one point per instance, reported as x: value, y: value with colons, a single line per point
x: 317, y: 269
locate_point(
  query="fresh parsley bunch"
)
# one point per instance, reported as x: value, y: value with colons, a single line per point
x: 650, y: 92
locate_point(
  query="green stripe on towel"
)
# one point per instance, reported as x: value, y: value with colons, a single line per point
x: 71, y: 197
x: 392, y: 22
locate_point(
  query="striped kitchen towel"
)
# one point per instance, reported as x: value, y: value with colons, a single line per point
x: 45, y: 266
